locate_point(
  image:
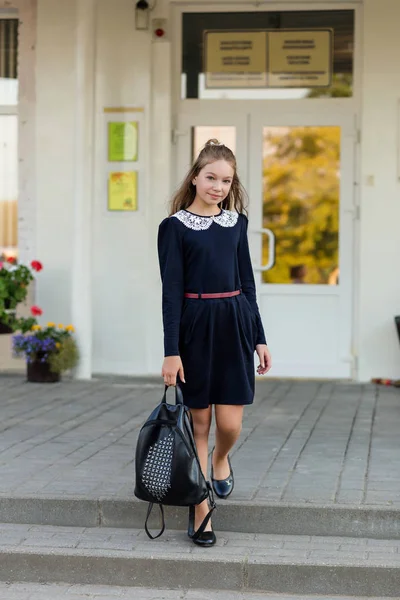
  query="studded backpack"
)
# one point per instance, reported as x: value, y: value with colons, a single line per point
x: 168, y: 470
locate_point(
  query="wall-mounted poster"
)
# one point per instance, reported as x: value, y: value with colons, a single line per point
x: 235, y: 59
x: 122, y: 191
x: 300, y: 58
x: 123, y: 139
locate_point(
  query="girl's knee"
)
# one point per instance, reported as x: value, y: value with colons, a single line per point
x: 201, y: 422
x: 231, y: 430
x: 229, y: 420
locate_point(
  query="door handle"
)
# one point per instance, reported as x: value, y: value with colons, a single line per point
x: 271, y: 248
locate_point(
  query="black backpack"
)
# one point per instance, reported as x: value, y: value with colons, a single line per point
x: 168, y: 470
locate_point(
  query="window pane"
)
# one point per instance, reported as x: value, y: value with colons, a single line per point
x: 202, y: 133
x: 301, y: 188
x: 8, y: 185
x: 195, y: 25
x: 8, y: 62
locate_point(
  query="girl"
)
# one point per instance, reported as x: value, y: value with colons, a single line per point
x: 212, y: 324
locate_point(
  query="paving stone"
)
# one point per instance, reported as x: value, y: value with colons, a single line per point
x: 315, y: 441
x: 306, y: 445
x: 176, y: 542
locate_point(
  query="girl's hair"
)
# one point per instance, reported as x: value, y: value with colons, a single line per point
x: 212, y: 151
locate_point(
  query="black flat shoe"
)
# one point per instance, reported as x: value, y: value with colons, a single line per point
x: 200, y: 537
x: 222, y: 487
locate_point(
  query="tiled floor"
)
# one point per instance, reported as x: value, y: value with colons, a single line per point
x: 313, y: 442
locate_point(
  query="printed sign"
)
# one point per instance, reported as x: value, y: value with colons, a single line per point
x: 235, y: 59
x: 300, y: 58
x: 122, y: 191
x: 123, y: 141
x: 268, y: 58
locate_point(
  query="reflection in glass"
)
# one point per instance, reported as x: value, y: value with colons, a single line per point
x: 8, y: 137
x: 301, y: 190
x: 202, y: 133
x: 8, y: 62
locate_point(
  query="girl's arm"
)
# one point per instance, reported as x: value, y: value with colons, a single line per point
x: 247, y: 278
x: 171, y: 267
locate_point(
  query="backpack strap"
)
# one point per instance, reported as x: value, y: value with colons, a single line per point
x: 178, y: 394
x: 202, y: 527
x: 154, y: 537
x: 213, y: 506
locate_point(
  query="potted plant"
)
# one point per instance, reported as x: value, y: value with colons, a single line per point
x: 49, y: 351
x: 14, y: 281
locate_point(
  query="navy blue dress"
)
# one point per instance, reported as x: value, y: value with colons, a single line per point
x: 215, y: 338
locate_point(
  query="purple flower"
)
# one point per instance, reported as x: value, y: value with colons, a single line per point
x: 33, y: 347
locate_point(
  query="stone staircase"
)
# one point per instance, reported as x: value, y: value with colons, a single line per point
x: 265, y: 549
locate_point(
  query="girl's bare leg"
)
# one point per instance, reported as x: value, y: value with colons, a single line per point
x: 228, y: 427
x: 202, y: 423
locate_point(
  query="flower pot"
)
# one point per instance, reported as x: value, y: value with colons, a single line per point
x: 39, y: 372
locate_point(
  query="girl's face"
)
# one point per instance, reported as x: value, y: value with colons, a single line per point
x: 213, y: 182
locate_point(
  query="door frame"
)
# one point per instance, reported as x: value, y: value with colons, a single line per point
x: 230, y: 109
x: 249, y: 129
x: 348, y: 212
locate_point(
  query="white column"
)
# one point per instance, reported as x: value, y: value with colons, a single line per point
x: 160, y: 190
x: 379, y: 282
x: 84, y: 147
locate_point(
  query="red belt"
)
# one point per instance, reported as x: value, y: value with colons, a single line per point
x: 221, y: 295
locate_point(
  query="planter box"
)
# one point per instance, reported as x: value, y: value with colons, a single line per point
x: 39, y: 372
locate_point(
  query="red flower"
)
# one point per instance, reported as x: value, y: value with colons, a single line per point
x: 11, y: 260
x: 36, y: 311
x: 1, y: 265
x: 36, y: 265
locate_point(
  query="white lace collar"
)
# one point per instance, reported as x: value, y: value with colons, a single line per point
x: 226, y: 218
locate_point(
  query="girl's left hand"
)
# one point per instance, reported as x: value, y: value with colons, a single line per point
x: 265, y: 359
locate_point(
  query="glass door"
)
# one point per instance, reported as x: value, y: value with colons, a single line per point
x: 298, y: 168
x: 301, y: 182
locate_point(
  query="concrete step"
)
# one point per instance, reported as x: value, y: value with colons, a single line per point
x: 248, y: 517
x: 240, y: 562
x: 40, y: 591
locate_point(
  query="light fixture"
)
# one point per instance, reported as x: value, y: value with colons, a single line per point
x: 142, y: 14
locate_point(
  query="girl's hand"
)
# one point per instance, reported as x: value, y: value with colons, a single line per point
x: 172, y: 365
x: 265, y: 359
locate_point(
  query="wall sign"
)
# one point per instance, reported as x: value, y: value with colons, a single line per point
x: 122, y: 191
x: 235, y: 59
x: 123, y: 127
x: 300, y: 58
x: 268, y: 58
x: 123, y: 141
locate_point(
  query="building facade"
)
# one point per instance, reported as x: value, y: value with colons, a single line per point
x: 113, y: 103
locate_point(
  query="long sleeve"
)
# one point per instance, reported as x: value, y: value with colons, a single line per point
x: 171, y: 267
x: 247, y: 278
